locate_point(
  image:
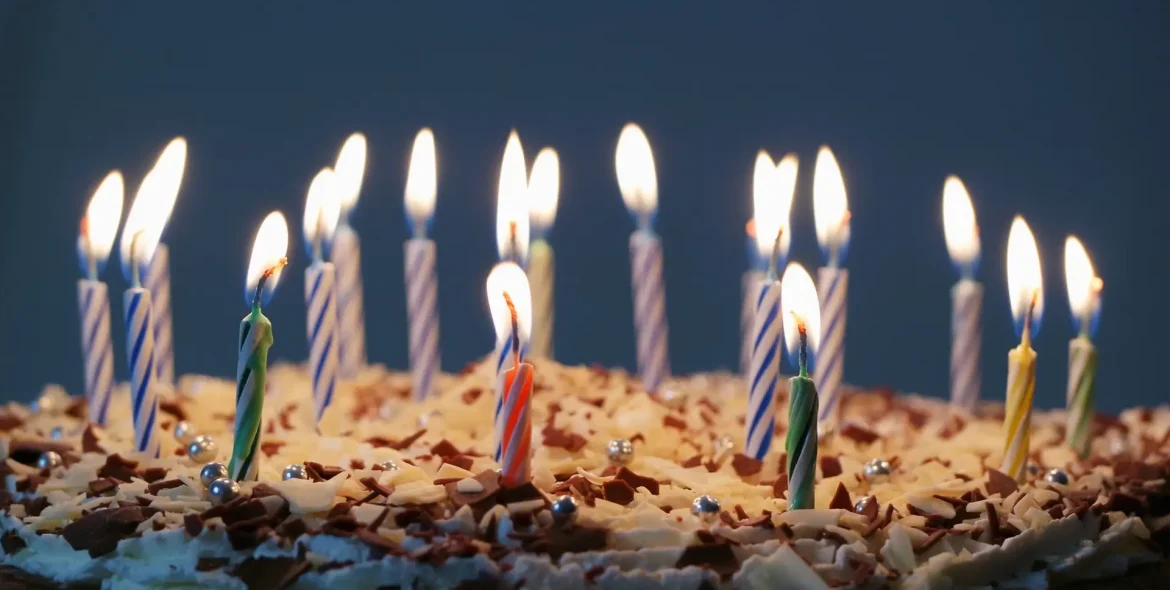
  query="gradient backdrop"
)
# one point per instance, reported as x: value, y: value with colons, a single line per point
x: 1058, y: 112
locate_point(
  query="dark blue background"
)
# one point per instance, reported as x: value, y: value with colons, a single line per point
x: 1056, y: 111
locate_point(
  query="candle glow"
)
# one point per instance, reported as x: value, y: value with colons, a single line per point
x: 101, y: 224
x: 349, y: 170
x: 322, y: 212
x: 1084, y: 286
x: 1025, y: 282
x: 830, y: 206
x: 268, y: 252
x: 543, y: 187
x: 512, y: 227
x: 637, y: 179
x: 152, y: 206
x: 960, y: 227
x: 421, y: 179
x: 508, y: 277
x: 798, y: 299
x: 772, y: 191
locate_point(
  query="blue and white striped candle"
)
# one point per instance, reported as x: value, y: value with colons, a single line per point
x: 639, y: 187
x: 507, y: 277
x: 322, y: 209
x: 140, y: 344
x: 422, y: 283
x: 346, y: 255
x: 752, y: 279
x: 831, y: 210
x: 773, y: 187
x: 765, y: 369
x: 158, y: 282
x: 963, y: 246
x: 94, y: 243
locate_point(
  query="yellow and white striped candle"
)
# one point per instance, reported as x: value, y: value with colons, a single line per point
x: 1026, y: 293
x: 831, y: 211
x: 1084, y: 299
x: 543, y: 188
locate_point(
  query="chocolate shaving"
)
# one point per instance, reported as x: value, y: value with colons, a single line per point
x: 444, y: 449
x: 378, y: 520
x: 521, y: 493
x: 869, y: 507
x: 173, y: 408
x: 119, y: 468
x: 271, y: 447
x: 563, y: 439
x: 575, y: 539
x: 930, y: 541
x: 718, y: 557
x: 153, y: 474
x: 841, y: 499
x: 326, y: 472
x: 100, y: 486
x: 830, y: 466
x: 471, y: 395
x: 992, y: 522
x: 158, y: 486
x: 618, y: 492
x: 263, y: 490
x: 461, y: 461
x: 859, y: 434
x: 780, y: 485
x: 36, y: 506
x: 406, y: 442
x: 292, y: 528
x: 1126, y: 503
x: 193, y: 524
x: 270, y: 573
x: 672, y: 421
x: 100, y: 531
x: 879, y: 523
x: 695, y: 461
x: 89, y: 441
x: 638, y: 481
x: 999, y: 483
x: 12, y: 543
x: 489, y: 479
x: 373, y: 485
x: 746, y: 466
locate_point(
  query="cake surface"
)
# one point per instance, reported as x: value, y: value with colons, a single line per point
x: 438, y: 516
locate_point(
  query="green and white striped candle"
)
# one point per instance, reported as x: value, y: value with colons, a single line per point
x: 798, y: 301
x: 1084, y: 299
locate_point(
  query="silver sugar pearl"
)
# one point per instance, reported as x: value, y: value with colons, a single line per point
x: 49, y: 460
x: 202, y: 448
x: 294, y: 471
x: 564, y: 509
x: 876, y: 469
x: 56, y: 433
x: 706, y: 508
x: 620, y: 451
x: 184, y: 432
x: 223, y: 490
x: 388, y: 465
x: 212, y: 472
x: 1056, y: 475
x: 861, y: 504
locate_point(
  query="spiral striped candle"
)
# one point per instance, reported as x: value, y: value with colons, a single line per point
x: 540, y: 278
x: 136, y: 304
x: 422, y: 310
x: 747, y: 317
x: 765, y: 370
x: 966, y: 340
x: 801, y: 443
x: 320, y: 284
x: 1017, y: 420
x: 1082, y: 375
x: 158, y: 282
x: 832, y: 285
x: 505, y: 359
x: 97, y: 349
x: 347, y: 258
x: 649, y: 309
x: 517, y: 434
x: 251, y: 369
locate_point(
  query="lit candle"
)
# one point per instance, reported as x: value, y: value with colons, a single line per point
x: 1084, y: 299
x: 346, y: 255
x: 831, y: 210
x: 144, y: 225
x: 515, y: 466
x: 170, y: 165
x: 772, y: 191
x: 543, y: 189
x: 511, y: 336
x: 422, y: 284
x: 802, y: 336
x: 322, y: 209
x: 962, y: 236
x: 512, y: 205
x: 1026, y: 293
x: 94, y: 243
x: 639, y: 187
x: 268, y: 258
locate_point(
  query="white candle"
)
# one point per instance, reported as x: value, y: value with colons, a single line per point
x: 773, y: 187
x: 346, y: 255
x: 831, y: 210
x: 94, y: 243
x: 963, y: 245
x: 639, y: 187
x: 1084, y: 299
x: 512, y: 339
x: 422, y: 284
x: 543, y: 189
x: 322, y: 209
x: 170, y: 166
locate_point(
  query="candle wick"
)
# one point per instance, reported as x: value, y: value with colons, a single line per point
x: 268, y: 272
x: 774, y: 259
x: 515, y: 331
x: 420, y: 227
x: 513, y: 243
x: 87, y: 246
x: 319, y: 237
x: 1028, y: 317
x: 135, y: 260
x: 803, y: 349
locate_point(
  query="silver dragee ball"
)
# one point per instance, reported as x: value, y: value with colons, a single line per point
x: 223, y: 490
x: 202, y: 448
x: 184, y: 432
x: 620, y: 451
x: 706, y: 508
x: 876, y: 469
x: 56, y: 433
x: 1033, y: 469
x: 1056, y: 475
x: 294, y: 471
x: 388, y: 465
x: 212, y: 472
x: 49, y: 460
x: 564, y: 509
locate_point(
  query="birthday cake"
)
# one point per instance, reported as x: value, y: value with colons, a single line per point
x: 627, y: 490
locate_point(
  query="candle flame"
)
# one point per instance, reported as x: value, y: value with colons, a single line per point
x: 268, y: 257
x: 422, y: 177
x: 960, y: 227
x: 1084, y: 286
x: 100, y: 224
x: 1025, y: 281
x: 512, y: 203
x: 152, y: 206
x: 508, y: 277
x: 544, y: 184
x: 350, y: 169
x: 637, y: 179
x: 798, y: 300
x: 830, y: 206
x: 772, y: 190
x: 322, y: 210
